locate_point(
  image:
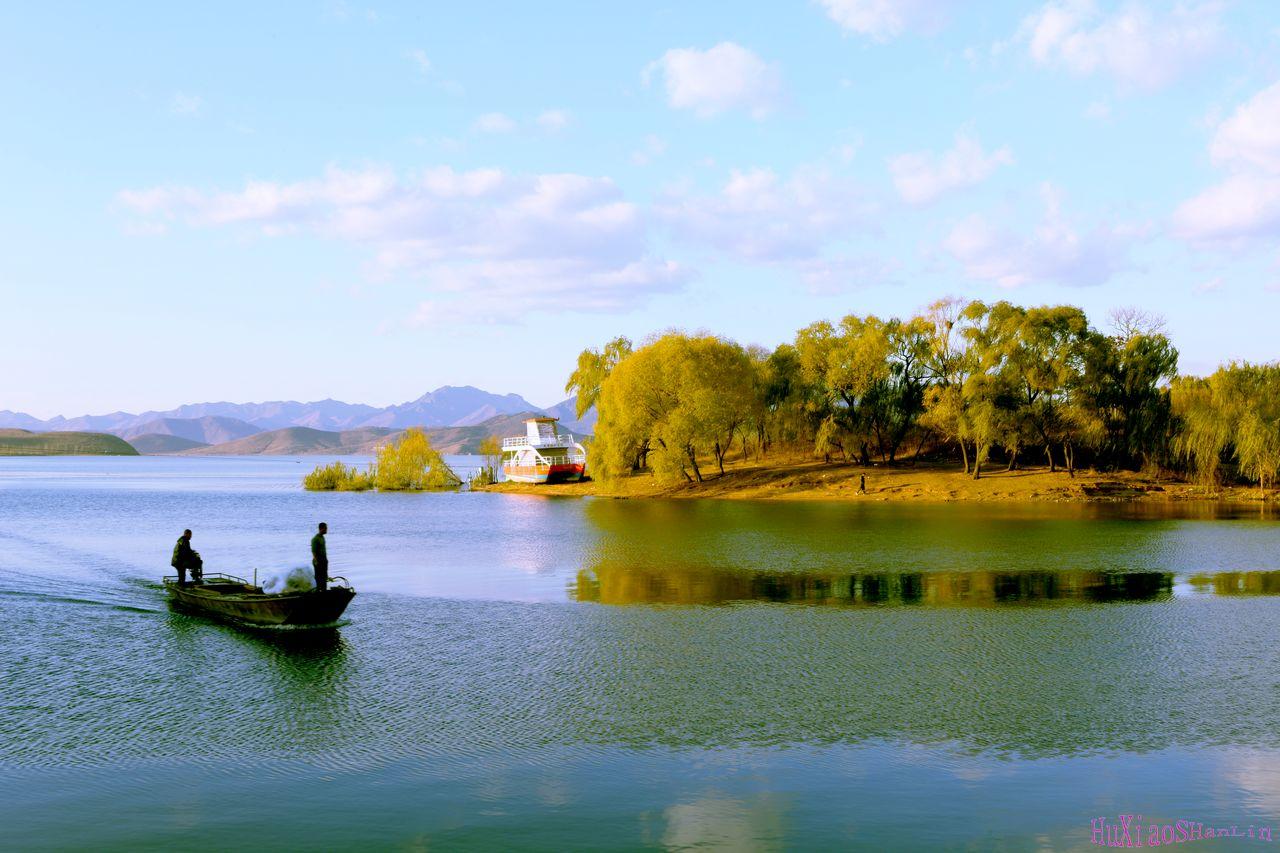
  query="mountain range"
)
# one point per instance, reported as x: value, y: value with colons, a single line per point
x: 219, y: 423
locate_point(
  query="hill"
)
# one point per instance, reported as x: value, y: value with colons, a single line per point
x: 20, y: 442
x: 299, y: 441
x: 466, y: 439
x: 156, y: 444
x: 567, y: 413
x: 302, y: 441
x: 216, y: 423
x: 210, y: 429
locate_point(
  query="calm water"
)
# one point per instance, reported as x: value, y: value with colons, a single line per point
x: 537, y: 673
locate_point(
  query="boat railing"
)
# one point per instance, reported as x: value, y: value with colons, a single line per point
x: 212, y: 577
x: 558, y: 440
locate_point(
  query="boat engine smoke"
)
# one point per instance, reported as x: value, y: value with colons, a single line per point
x: 300, y: 579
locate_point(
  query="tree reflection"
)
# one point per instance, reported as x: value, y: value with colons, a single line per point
x: 615, y: 583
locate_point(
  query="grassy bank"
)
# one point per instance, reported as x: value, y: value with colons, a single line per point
x: 20, y: 442
x: 806, y: 479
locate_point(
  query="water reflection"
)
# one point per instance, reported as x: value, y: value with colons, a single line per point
x: 1237, y: 583
x: 615, y: 583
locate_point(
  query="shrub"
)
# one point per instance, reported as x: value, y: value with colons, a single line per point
x: 412, y: 464
x: 338, y: 477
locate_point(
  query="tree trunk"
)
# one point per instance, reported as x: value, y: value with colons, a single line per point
x: 693, y: 462
x: 1013, y: 461
x: 964, y: 454
x: 1048, y: 451
x: 1069, y: 459
x: 924, y: 436
x: 977, y: 464
x: 865, y: 455
x: 720, y: 458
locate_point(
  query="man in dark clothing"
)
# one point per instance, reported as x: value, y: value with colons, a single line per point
x: 184, y: 558
x: 320, y: 558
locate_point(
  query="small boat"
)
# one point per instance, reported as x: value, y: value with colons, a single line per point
x: 543, y: 455
x: 229, y: 597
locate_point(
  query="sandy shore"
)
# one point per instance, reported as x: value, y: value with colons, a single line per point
x: 805, y: 479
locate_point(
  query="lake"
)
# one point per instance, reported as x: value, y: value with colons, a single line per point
x: 521, y: 672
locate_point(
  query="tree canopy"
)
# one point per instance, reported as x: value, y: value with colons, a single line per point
x: 981, y: 381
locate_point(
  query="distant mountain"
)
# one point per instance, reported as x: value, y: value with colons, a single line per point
x: 466, y: 439
x: 21, y: 442
x: 321, y: 414
x: 567, y: 413
x: 156, y: 444
x: 450, y: 406
x: 218, y: 423
x: 210, y: 429
x: 17, y: 420
x: 302, y: 441
x: 299, y: 441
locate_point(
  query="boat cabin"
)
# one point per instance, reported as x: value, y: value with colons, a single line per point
x: 543, y: 454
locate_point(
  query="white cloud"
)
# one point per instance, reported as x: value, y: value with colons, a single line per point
x: 1246, y: 204
x: 1251, y: 136
x: 795, y: 224
x: 886, y: 19
x: 482, y: 241
x: 1055, y: 252
x: 1237, y: 209
x: 1143, y: 49
x: 554, y: 120
x: 419, y: 58
x: 723, y: 78
x: 494, y: 123
x: 185, y: 105
x: 922, y: 177
x: 758, y: 216
x: 1213, y: 285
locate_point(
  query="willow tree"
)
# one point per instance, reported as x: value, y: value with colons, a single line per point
x: 594, y: 366
x: 850, y: 366
x: 1233, y: 414
x: 1126, y: 393
x: 1040, y: 355
x: 411, y: 464
x: 785, y: 402
x: 668, y: 404
x: 951, y: 360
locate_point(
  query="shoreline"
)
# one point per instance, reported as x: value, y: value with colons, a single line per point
x: 806, y: 479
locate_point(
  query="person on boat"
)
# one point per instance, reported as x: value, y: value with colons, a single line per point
x: 320, y: 558
x: 185, y: 558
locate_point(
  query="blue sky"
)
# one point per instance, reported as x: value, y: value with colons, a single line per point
x: 367, y: 201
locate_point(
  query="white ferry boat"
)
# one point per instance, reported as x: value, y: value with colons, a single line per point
x: 543, y: 455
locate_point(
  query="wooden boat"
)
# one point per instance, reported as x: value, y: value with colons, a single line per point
x: 235, y: 599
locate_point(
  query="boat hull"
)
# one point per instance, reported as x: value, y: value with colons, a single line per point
x: 247, y: 604
x: 570, y: 473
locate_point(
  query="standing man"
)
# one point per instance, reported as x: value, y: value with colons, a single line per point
x: 184, y: 558
x: 320, y: 558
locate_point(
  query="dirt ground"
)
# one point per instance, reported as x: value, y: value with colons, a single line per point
x: 801, y: 478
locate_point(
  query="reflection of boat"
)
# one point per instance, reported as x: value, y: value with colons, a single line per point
x: 543, y: 455
x: 229, y: 597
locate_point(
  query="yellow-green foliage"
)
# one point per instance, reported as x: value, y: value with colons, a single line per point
x: 1233, y: 413
x: 412, y: 464
x: 338, y: 477
x: 666, y: 404
x: 491, y: 450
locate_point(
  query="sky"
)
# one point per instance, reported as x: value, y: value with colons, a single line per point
x: 366, y: 201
